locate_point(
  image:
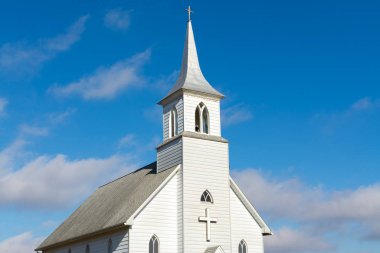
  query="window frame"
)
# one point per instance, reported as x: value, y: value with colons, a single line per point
x: 206, y: 193
x: 243, y: 246
x: 154, y: 241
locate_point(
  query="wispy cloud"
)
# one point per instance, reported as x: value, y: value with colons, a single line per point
x: 3, y: 105
x: 107, y: 82
x: 117, y: 19
x: 33, y: 130
x: 128, y: 140
x: 330, y: 121
x: 314, y: 211
x: 236, y: 114
x: 59, y: 117
x: 24, y: 242
x: 24, y: 58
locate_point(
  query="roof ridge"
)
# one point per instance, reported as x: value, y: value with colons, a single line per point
x: 116, y: 179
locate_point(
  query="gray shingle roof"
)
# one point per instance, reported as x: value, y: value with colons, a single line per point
x: 110, y: 206
x: 213, y: 249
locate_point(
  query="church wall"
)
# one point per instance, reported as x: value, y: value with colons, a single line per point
x: 191, y: 102
x: 243, y: 226
x: 205, y: 166
x: 161, y: 217
x: 169, y: 155
x: 166, y: 117
x: 99, y: 244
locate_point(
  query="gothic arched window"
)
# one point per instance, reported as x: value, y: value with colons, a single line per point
x: 110, y: 246
x: 173, y: 122
x: 243, y: 247
x: 87, y: 248
x: 154, y: 245
x: 69, y: 251
x: 206, y: 197
x: 202, y: 119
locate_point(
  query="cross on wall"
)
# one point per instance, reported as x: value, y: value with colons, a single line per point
x: 208, y: 221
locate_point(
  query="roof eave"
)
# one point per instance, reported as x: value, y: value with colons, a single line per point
x: 83, y: 237
x: 180, y: 91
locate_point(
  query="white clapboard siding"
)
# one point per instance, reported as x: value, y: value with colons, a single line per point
x: 213, y: 106
x: 178, y: 104
x: 205, y: 166
x: 169, y: 155
x: 120, y: 243
x: 161, y: 217
x: 244, y: 226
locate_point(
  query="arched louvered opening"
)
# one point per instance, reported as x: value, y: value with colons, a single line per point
x: 207, y: 197
x: 69, y: 251
x: 154, y: 245
x: 205, y: 121
x: 173, y: 122
x: 243, y: 247
x: 110, y: 246
x: 197, y: 120
x: 88, y: 249
x: 202, y: 119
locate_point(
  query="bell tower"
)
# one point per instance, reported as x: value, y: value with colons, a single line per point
x: 192, y: 139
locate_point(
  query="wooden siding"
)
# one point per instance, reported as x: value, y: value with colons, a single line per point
x: 178, y: 103
x: 191, y: 102
x: 120, y: 243
x: 161, y: 217
x: 244, y: 226
x: 169, y: 155
x: 205, y: 166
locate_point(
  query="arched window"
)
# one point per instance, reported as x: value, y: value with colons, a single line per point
x: 202, y: 119
x: 173, y: 122
x: 154, y: 245
x: 243, y: 247
x: 69, y: 251
x: 110, y: 246
x: 206, y: 197
x: 87, y: 248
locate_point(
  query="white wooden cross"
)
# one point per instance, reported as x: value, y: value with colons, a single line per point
x: 208, y: 221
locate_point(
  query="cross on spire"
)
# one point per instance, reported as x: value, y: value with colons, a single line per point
x: 189, y: 11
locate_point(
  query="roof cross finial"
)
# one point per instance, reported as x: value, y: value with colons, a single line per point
x: 189, y: 11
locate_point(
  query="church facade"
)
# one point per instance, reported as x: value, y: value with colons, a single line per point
x: 186, y: 202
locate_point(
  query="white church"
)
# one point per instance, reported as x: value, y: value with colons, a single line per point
x: 186, y: 202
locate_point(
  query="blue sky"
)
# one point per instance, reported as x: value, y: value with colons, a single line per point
x: 79, y: 83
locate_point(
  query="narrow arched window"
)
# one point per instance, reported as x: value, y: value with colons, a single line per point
x: 206, y: 197
x: 202, y: 119
x: 173, y: 122
x: 87, y: 248
x: 110, y: 246
x: 154, y: 245
x: 69, y: 251
x: 243, y: 247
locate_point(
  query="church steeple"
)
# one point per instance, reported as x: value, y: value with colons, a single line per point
x: 191, y: 77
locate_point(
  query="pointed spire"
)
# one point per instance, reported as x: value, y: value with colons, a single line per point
x: 191, y: 76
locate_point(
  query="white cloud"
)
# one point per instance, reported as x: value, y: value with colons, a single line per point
x: 10, y: 155
x: 3, y: 105
x: 319, y: 210
x: 54, y: 182
x: 236, y: 114
x: 22, y: 58
x: 25, y: 243
x: 287, y: 240
x: 117, y: 19
x: 107, y: 82
x: 33, y: 130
